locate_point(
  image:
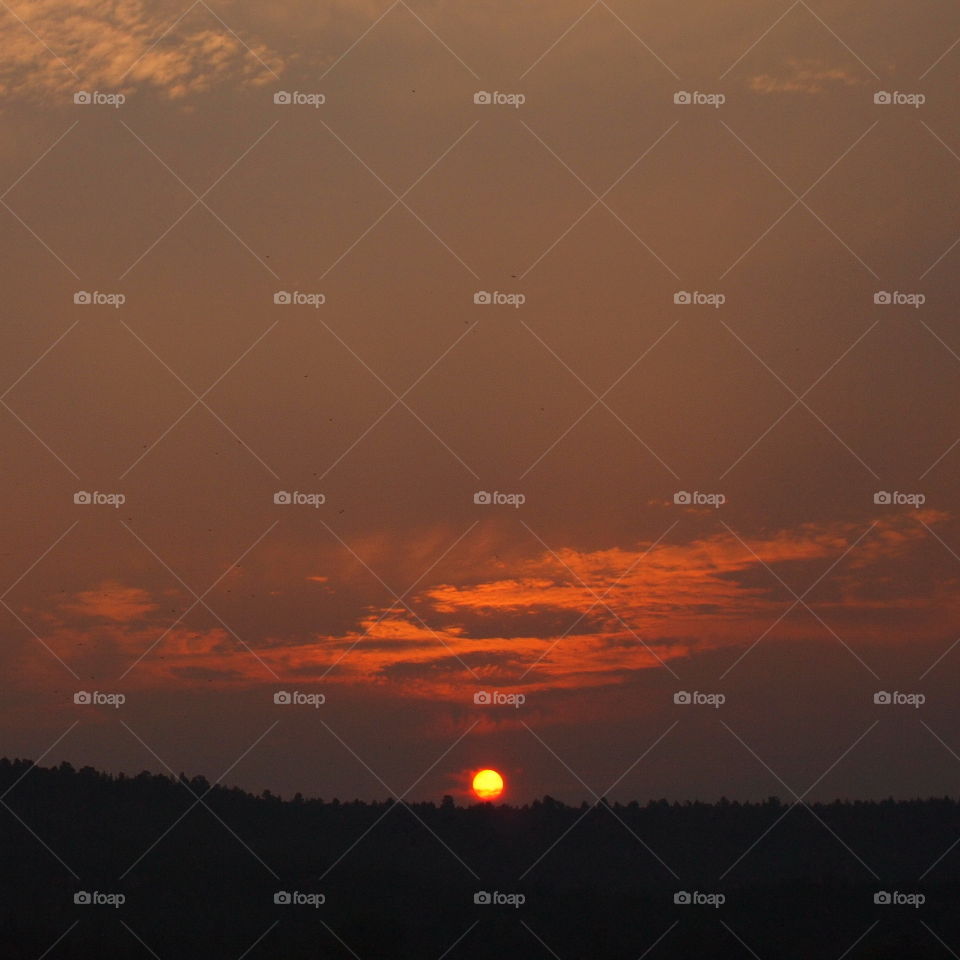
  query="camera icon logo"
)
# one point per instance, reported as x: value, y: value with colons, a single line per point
x: 282, y: 297
x: 482, y: 496
x: 682, y: 297
x: 81, y: 496
x: 682, y: 696
x: 482, y: 97
x: 882, y: 297
x: 882, y: 697
x: 282, y: 697
x: 482, y: 697
x: 82, y: 297
x: 282, y: 97
x: 681, y: 897
x: 482, y: 297
x: 282, y: 897
x: 82, y: 696
x: 882, y: 97
x: 282, y: 496
x: 81, y: 96
x: 82, y: 897
x: 883, y: 897
x: 681, y: 96
x: 682, y: 497
x: 882, y: 497
x: 482, y: 896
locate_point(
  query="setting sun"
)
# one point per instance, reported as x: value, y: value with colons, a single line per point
x: 488, y: 784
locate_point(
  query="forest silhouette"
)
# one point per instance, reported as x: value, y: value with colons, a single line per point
x: 213, y: 872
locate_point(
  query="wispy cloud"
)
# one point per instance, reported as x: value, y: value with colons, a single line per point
x: 568, y: 619
x: 806, y: 76
x: 52, y: 47
x: 111, y: 601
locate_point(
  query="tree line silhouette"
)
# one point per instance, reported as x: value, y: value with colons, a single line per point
x: 204, y: 871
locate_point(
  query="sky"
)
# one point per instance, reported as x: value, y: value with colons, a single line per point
x: 713, y: 399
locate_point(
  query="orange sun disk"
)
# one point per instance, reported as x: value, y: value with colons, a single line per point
x: 488, y: 784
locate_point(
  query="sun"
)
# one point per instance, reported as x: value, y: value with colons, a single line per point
x: 488, y: 784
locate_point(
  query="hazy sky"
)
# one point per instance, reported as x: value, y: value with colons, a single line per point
x: 596, y: 201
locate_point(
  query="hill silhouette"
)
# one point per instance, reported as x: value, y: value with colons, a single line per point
x: 217, y: 872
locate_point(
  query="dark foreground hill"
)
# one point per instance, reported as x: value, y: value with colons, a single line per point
x: 95, y: 866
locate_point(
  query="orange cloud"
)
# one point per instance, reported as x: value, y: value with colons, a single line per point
x: 569, y: 619
x: 112, y: 601
x: 54, y: 48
